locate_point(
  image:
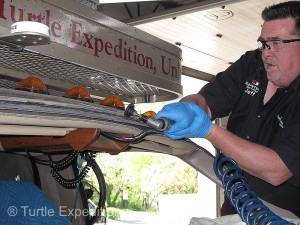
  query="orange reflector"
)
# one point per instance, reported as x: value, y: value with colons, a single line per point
x: 149, y: 114
x: 79, y: 93
x: 113, y: 101
x: 32, y: 84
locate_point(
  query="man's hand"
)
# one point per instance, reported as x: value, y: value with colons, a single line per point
x: 190, y: 120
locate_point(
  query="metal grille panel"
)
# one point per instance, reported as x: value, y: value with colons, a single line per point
x: 89, y: 3
x: 58, y: 70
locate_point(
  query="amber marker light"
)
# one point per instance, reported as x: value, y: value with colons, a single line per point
x: 113, y: 101
x: 151, y: 114
x: 32, y: 84
x: 79, y: 93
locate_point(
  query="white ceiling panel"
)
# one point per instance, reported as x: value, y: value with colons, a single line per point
x: 212, y: 39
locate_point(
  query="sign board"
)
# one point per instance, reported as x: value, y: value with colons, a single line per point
x: 86, y: 37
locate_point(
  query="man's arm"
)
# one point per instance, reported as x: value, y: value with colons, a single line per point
x: 257, y: 160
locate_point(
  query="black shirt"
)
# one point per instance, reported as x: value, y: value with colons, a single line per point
x: 239, y: 91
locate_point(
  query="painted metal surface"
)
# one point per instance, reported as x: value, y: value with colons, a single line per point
x: 89, y: 39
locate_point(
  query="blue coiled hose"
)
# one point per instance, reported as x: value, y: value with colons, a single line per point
x: 250, y: 208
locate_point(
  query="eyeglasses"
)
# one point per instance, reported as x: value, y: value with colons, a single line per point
x: 274, y: 44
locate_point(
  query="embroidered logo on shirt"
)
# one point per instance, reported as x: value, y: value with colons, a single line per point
x: 280, y: 121
x: 251, y: 88
x: 255, y: 82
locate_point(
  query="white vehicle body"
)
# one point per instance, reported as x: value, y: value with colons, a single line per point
x: 107, y: 57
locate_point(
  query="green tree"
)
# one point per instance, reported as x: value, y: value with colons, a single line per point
x: 145, y: 176
x: 116, y: 177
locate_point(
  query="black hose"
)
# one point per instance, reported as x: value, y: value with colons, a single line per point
x: 135, y: 139
x: 36, y: 160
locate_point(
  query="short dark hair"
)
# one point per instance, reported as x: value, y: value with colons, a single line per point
x: 282, y: 11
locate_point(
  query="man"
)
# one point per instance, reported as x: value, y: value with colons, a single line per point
x: 261, y: 92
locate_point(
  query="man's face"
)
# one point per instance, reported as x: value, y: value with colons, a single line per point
x: 282, y: 63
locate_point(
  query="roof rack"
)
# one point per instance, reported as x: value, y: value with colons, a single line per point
x: 92, y: 50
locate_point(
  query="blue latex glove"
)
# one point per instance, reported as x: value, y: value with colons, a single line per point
x: 190, y: 120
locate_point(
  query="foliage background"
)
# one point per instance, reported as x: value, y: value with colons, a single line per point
x: 144, y: 176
